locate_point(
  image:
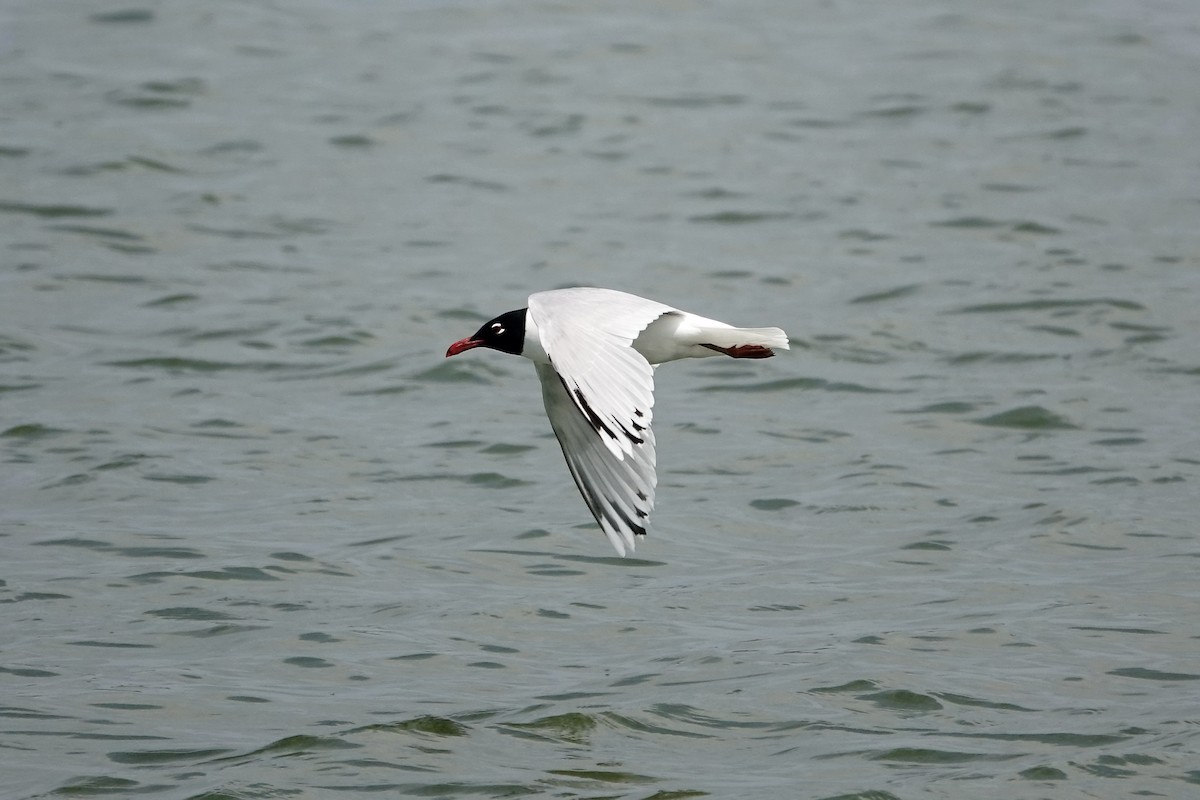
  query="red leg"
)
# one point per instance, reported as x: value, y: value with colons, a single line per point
x: 743, y: 350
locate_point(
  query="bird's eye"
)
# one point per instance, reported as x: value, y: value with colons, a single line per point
x: 497, y: 327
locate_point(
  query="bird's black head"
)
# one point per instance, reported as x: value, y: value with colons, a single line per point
x: 505, y: 333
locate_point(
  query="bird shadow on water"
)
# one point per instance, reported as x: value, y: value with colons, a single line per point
x: 612, y: 561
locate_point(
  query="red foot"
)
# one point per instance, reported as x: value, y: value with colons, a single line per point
x: 744, y: 351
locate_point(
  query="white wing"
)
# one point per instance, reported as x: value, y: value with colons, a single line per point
x: 587, y: 335
x: 599, y: 395
x: 618, y: 488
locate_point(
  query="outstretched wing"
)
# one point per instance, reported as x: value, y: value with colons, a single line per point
x: 599, y: 395
x: 618, y: 487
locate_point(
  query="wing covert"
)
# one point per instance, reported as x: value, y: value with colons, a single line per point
x: 587, y: 335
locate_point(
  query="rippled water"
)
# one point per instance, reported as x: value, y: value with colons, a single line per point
x: 260, y: 539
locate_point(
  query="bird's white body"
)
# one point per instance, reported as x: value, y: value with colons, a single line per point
x: 595, y: 352
x: 666, y: 333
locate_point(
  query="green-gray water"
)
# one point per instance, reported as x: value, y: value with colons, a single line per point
x: 261, y: 540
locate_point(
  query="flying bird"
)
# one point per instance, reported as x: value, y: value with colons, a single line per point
x: 595, y: 351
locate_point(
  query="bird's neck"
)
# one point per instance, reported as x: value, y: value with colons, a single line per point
x: 533, y: 349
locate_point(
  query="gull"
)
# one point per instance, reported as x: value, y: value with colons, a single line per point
x: 595, y: 351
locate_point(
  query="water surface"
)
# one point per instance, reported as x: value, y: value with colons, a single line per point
x: 261, y: 539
